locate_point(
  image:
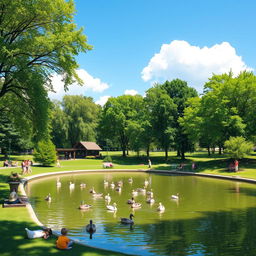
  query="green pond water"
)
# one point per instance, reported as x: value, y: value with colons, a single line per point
x: 211, y: 217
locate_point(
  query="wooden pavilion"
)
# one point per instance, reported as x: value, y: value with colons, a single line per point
x: 80, y: 150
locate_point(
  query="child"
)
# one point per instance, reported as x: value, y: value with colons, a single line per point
x: 63, y: 242
x: 39, y: 233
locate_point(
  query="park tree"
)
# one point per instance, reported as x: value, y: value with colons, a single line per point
x: 119, y: 120
x: 37, y: 39
x: 180, y: 92
x: 162, y: 111
x: 45, y: 153
x: 80, y: 117
x: 238, y: 148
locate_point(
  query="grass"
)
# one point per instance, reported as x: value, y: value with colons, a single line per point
x: 14, y: 220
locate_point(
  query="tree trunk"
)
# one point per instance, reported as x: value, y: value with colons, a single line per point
x: 209, y: 152
x: 220, y: 150
x: 124, y: 155
x: 182, y: 155
x: 148, y: 152
x: 178, y: 152
x: 166, y: 154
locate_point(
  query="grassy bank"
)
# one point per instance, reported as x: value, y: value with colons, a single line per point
x: 14, y: 220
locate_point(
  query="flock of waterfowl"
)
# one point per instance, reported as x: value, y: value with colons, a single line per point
x: 118, y: 187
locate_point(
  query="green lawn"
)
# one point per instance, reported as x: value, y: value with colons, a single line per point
x: 14, y: 220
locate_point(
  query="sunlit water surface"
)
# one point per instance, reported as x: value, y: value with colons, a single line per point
x: 211, y: 217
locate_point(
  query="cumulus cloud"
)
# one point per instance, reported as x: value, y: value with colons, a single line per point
x: 130, y: 92
x: 102, y: 100
x: 191, y: 63
x: 90, y: 83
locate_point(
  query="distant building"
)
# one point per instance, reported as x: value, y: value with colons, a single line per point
x: 80, y: 150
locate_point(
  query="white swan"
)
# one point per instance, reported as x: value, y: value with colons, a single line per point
x: 134, y: 193
x: 71, y: 185
x: 136, y: 205
x: 160, y: 207
x: 48, y: 198
x: 126, y: 220
x: 175, y: 196
x: 90, y: 228
x: 58, y: 183
x: 112, y: 208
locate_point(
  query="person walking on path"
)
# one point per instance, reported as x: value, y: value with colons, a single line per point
x: 149, y: 164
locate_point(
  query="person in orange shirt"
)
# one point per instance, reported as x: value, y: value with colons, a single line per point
x: 63, y: 242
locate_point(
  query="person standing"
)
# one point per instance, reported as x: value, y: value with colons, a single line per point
x: 149, y: 164
x: 236, y: 165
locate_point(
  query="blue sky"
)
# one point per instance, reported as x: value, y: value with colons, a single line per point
x: 187, y: 37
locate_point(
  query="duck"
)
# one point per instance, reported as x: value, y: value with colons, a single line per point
x: 97, y: 195
x: 119, y: 189
x: 92, y: 190
x: 150, y: 193
x: 127, y: 221
x: 112, y: 208
x: 175, y: 196
x: 71, y: 185
x: 107, y: 197
x: 130, y: 180
x: 131, y: 201
x: 136, y: 205
x: 112, y: 185
x: 160, y: 207
x: 58, y: 183
x: 84, y: 206
x: 90, y: 228
x: 48, y: 198
x: 134, y: 193
x: 82, y: 185
x: 105, y: 182
x: 150, y: 200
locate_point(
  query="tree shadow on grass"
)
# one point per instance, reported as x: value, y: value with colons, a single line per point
x: 14, y: 242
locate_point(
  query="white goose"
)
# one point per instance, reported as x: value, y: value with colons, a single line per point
x: 112, y: 208
x: 142, y: 190
x: 146, y: 182
x: 97, y: 195
x: 105, y: 182
x: 71, y: 185
x: 90, y: 228
x: 150, y: 193
x: 112, y: 185
x: 92, y: 190
x: 48, y: 198
x: 131, y: 201
x: 126, y: 220
x: 130, y: 180
x: 176, y: 197
x: 82, y: 185
x: 119, y: 189
x: 160, y: 207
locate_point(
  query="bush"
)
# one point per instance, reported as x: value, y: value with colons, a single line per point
x: 107, y: 159
x: 90, y: 157
x: 45, y: 153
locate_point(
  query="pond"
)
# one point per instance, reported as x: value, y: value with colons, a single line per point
x: 211, y: 216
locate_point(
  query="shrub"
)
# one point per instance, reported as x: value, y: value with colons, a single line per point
x: 107, y: 159
x: 45, y: 153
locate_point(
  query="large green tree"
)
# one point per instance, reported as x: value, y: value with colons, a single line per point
x: 37, y: 39
x: 180, y: 92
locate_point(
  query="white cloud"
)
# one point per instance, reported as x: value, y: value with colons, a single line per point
x: 191, y: 63
x: 130, y: 92
x: 102, y: 100
x: 90, y: 83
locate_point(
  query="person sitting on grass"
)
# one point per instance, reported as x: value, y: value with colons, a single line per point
x: 63, y: 242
